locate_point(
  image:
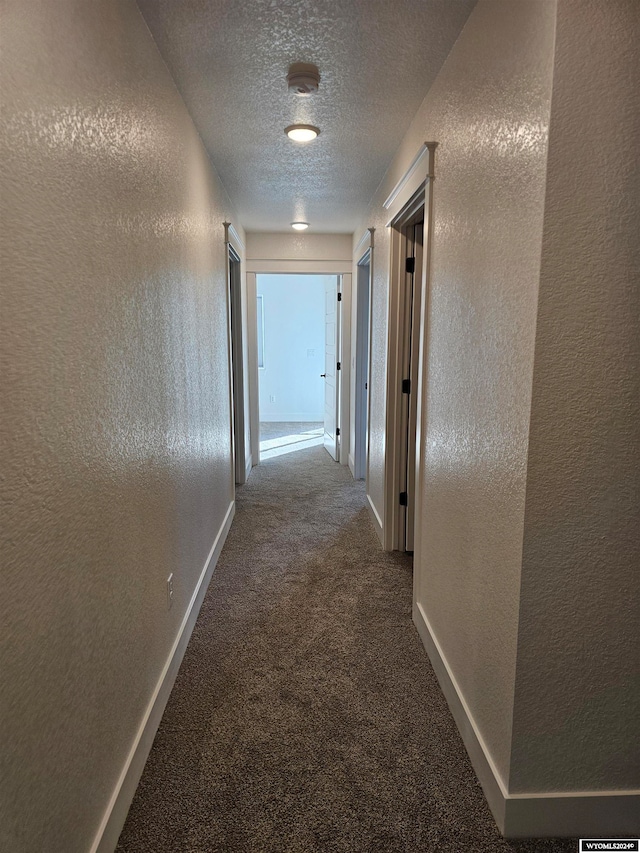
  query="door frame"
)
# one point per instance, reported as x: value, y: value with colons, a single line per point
x: 344, y: 350
x: 238, y: 399
x: 361, y: 366
x: 420, y: 173
x: 334, y: 444
x: 237, y: 374
x: 252, y: 346
x: 421, y: 196
x: 340, y: 269
x: 408, y: 370
x: 395, y: 459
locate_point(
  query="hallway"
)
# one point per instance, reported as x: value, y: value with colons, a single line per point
x: 154, y: 168
x: 306, y: 716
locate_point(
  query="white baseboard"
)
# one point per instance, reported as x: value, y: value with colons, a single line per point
x: 494, y: 788
x: 377, y: 521
x: 115, y: 814
x: 248, y: 466
x: 532, y: 815
x: 580, y: 814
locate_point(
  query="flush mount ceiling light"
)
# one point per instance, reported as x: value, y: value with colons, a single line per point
x: 300, y: 226
x: 303, y: 79
x: 302, y: 132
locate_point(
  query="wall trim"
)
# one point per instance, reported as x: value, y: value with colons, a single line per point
x: 530, y: 815
x: 234, y: 237
x: 364, y: 243
x: 352, y: 465
x: 248, y: 466
x: 115, y: 814
x: 426, y: 148
x: 375, y: 517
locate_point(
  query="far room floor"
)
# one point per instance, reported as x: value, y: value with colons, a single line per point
x: 280, y: 437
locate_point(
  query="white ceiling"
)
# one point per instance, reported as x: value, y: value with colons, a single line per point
x: 377, y: 61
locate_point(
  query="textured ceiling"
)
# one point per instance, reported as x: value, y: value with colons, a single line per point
x: 377, y: 60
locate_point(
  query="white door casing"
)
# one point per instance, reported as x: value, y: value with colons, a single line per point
x: 252, y: 336
x: 403, y: 363
x: 298, y: 267
x: 239, y: 397
x: 237, y: 373
x: 361, y: 364
x: 344, y: 357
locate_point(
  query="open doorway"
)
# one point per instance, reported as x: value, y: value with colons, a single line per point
x: 407, y: 246
x: 237, y: 377
x: 292, y: 322
x: 412, y: 234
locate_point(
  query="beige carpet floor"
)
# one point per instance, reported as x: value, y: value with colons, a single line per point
x: 306, y: 717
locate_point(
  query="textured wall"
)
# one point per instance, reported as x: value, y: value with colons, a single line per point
x: 579, y: 620
x: 115, y: 400
x: 488, y: 110
x: 298, y: 247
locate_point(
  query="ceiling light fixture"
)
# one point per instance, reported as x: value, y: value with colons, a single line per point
x: 300, y: 226
x: 302, y: 132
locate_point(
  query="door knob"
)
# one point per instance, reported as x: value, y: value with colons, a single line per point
x: 323, y: 376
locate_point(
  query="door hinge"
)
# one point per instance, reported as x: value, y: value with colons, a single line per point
x: 338, y: 367
x: 339, y: 297
x: 406, y: 386
x: 404, y: 499
x: 338, y: 431
x: 410, y: 265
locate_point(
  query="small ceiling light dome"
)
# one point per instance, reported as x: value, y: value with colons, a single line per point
x: 302, y: 132
x: 303, y: 79
x: 300, y: 226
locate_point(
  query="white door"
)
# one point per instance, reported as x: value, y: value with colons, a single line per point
x: 331, y: 370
